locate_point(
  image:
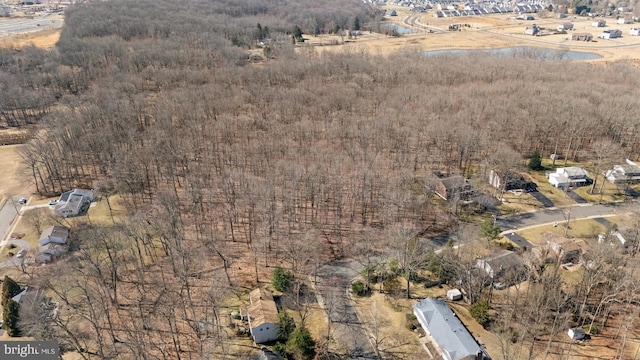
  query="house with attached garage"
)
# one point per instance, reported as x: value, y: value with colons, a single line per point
x: 263, y: 316
x: 569, y: 177
x: 74, y: 202
x: 624, y: 174
x: 446, y: 332
x: 599, y: 23
x: 54, y: 234
x: 454, y: 187
x: 611, y: 34
x: 565, y: 26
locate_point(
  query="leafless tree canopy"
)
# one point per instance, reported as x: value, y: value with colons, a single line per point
x: 217, y: 157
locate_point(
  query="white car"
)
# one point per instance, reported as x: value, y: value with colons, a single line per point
x: 53, y: 202
x: 22, y: 201
x: 21, y: 253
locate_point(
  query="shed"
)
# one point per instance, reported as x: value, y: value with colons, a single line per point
x: 576, y: 333
x: 634, y: 31
x: 599, y: 23
x: 454, y: 294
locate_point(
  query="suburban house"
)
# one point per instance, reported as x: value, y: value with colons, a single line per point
x: 566, y: 251
x: 532, y: 30
x: 634, y: 31
x: 514, y: 181
x: 599, y: 23
x: 582, y: 37
x: 565, y: 26
x: 54, y: 234
x: 263, y: 316
x: 74, y: 202
x: 569, y: 177
x: 504, y: 268
x: 611, y: 34
x: 49, y: 252
x: 446, y: 332
x: 624, y: 174
x: 452, y: 187
x: 625, y: 20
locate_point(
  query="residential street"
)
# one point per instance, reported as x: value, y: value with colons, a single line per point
x: 550, y: 216
x: 332, y: 293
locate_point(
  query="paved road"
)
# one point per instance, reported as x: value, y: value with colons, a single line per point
x: 23, y: 25
x: 334, y: 283
x: 552, y: 215
x: 7, y: 214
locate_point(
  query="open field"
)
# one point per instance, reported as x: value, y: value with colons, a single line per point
x: 488, y: 32
x: 584, y: 229
x: 10, y: 181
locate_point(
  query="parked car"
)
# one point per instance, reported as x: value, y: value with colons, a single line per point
x: 53, y: 202
x: 21, y: 253
x: 22, y: 201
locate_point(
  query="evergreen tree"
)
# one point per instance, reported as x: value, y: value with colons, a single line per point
x: 10, y: 310
x: 301, y: 345
x: 489, y: 230
x: 286, y: 325
x: 281, y: 279
x: 10, y: 288
x: 535, y: 163
x: 356, y: 23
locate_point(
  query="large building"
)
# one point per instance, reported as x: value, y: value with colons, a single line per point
x: 446, y: 332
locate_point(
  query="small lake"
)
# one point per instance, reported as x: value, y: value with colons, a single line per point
x: 399, y: 29
x: 528, y: 52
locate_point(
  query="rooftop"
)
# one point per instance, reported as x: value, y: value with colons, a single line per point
x: 262, y: 308
x: 446, y: 329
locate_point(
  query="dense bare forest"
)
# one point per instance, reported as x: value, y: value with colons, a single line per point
x: 293, y: 159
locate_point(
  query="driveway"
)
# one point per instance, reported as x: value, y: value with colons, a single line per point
x: 545, y: 201
x: 14, y: 261
x: 334, y: 283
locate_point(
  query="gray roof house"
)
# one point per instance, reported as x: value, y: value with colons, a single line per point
x: 505, y: 268
x: 624, y: 174
x: 447, y: 333
x: 74, y: 202
x: 54, y: 234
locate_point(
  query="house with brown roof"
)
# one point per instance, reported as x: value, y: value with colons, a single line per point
x: 263, y: 316
x: 453, y: 187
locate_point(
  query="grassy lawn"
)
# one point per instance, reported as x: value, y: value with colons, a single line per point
x: 584, y: 229
x: 557, y: 196
x: 517, y: 202
x: 611, y: 193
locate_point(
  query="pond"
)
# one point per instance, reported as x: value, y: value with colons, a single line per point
x: 521, y: 52
x: 399, y: 29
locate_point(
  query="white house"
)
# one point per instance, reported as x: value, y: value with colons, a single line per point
x: 611, y: 34
x: 624, y: 174
x: 446, y: 332
x: 54, y: 234
x: 569, y: 177
x: 263, y: 316
x: 74, y: 202
x: 565, y: 26
x: 634, y: 31
x: 625, y: 20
